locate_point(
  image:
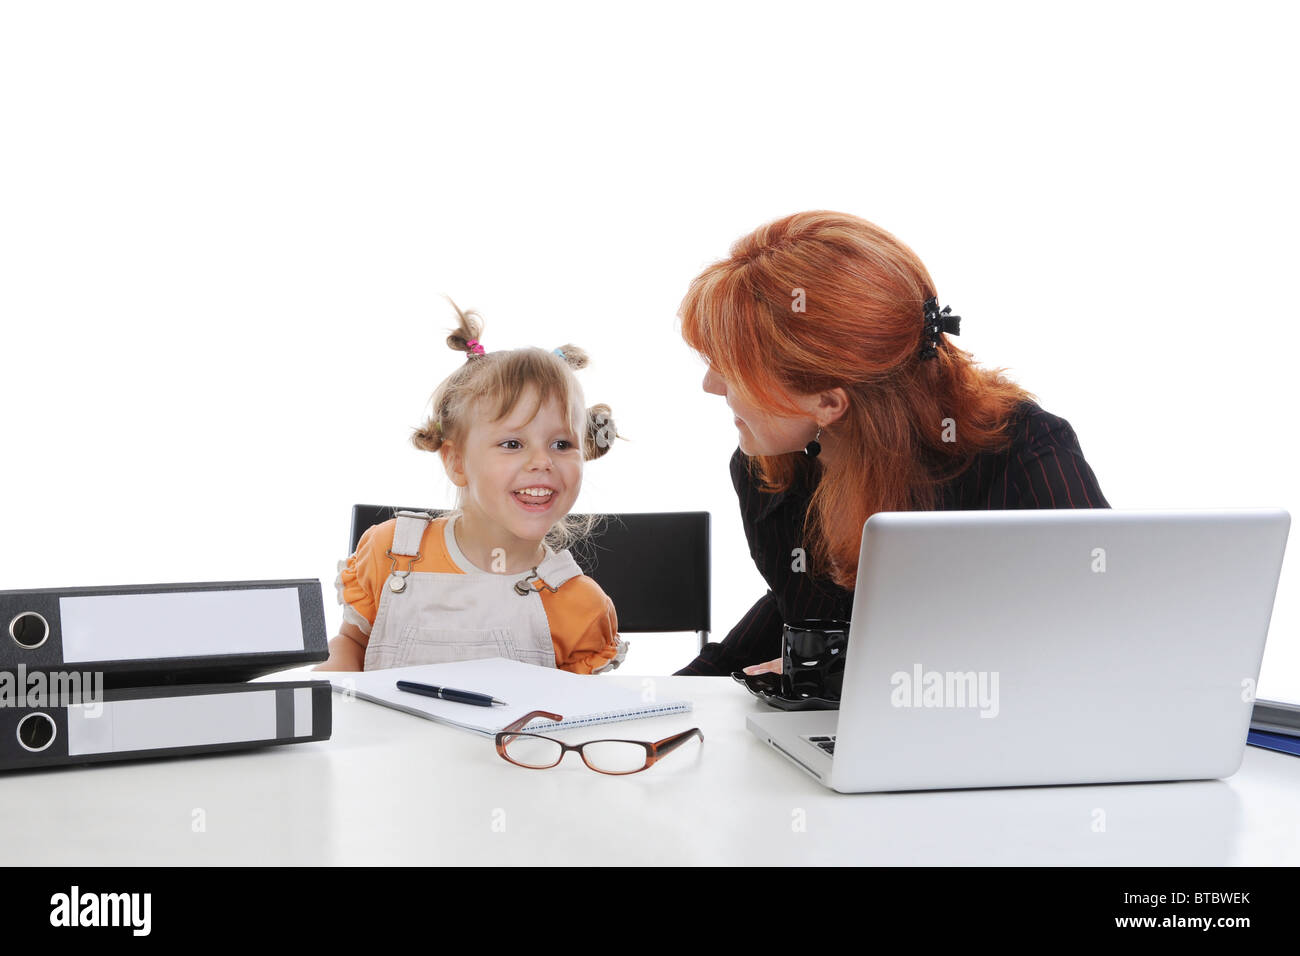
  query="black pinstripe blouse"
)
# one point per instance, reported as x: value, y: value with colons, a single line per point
x: 1043, y: 467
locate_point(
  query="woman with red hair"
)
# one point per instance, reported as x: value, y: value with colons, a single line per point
x: 824, y: 334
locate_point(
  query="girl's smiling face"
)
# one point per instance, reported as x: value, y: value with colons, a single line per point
x: 520, y: 475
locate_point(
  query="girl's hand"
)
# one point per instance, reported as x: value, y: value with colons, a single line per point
x: 347, y: 650
x: 771, y: 667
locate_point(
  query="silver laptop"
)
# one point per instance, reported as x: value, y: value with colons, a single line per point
x: 1009, y: 648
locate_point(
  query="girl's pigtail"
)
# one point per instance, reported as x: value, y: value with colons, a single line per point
x: 428, y: 437
x: 465, y: 337
x: 573, y: 356
x: 601, y: 430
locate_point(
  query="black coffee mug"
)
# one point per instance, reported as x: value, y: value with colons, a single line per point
x: 812, y: 659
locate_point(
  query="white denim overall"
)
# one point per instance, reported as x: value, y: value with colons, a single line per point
x: 428, y: 617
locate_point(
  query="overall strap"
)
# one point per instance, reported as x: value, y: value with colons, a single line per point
x: 556, y: 569
x: 409, y: 532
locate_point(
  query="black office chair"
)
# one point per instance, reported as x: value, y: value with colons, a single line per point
x: 653, y: 566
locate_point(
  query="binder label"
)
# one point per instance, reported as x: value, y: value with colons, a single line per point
x: 132, y: 627
x: 189, y: 720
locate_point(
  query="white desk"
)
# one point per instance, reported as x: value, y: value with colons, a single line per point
x: 391, y: 788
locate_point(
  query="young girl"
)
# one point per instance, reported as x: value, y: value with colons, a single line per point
x: 512, y: 431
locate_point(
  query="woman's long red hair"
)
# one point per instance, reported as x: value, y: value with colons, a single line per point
x: 862, y: 294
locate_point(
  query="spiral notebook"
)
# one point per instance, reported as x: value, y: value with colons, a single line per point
x: 581, y: 699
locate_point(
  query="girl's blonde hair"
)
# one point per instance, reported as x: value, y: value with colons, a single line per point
x: 493, y: 383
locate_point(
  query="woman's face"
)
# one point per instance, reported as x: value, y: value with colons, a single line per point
x: 762, y: 433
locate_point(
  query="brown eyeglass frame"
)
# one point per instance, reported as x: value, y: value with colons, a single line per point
x: 653, y: 750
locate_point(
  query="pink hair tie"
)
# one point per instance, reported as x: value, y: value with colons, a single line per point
x: 474, y: 347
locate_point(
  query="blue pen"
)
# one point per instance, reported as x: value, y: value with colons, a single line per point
x: 449, y: 693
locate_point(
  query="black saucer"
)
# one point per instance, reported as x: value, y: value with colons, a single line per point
x: 767, y: 688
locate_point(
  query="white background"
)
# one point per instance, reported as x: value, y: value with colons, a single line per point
x: 225, y: 229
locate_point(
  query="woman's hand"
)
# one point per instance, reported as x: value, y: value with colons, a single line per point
x: 771, y: 667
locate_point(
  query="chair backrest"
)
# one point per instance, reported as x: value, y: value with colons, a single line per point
x: 653, y: 566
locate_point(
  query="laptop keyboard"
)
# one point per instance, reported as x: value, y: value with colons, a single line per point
x: 825, y: 743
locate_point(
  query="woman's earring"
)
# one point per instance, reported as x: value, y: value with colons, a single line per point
x: 814, y: 447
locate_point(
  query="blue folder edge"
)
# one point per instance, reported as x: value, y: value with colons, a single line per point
x: 1279, y: 742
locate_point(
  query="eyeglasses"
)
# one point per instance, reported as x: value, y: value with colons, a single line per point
x: 537, y: 752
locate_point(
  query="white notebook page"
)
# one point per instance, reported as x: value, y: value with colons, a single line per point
x: 581, y: 699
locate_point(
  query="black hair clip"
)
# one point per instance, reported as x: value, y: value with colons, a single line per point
x: 937, y: 320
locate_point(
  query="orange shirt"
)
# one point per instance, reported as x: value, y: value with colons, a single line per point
x: 581, y: 617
